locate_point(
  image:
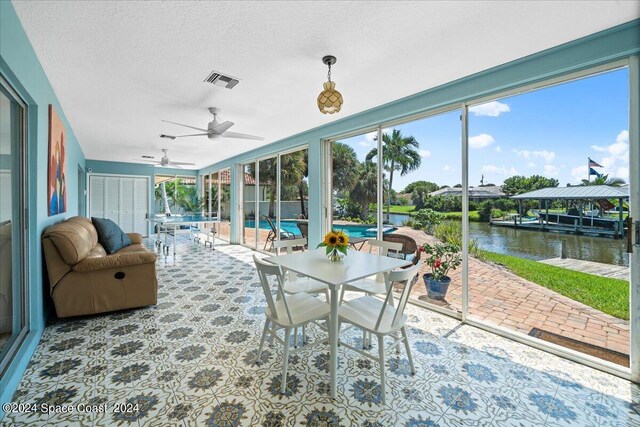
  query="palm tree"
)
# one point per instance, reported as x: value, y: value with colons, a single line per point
x: 364, y: 191
x: 398, y: 154
x: 294, y: 169
x: 345, y: 167
x: 605, y: 180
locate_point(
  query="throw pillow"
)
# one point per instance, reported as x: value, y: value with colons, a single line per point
x: 110, y: 236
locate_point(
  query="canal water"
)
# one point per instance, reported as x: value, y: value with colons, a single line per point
x: 542, y: 245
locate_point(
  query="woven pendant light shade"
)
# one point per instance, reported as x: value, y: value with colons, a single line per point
x: 329, y: 100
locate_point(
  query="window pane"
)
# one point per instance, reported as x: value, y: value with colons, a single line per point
x: 249, y: 205
x: 267, y: 202
x: 225, y: 204
x: 530, y: 254
x: 294, y: 194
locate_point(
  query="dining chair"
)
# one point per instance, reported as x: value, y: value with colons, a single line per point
x: 382, y: 319
x: 286, y: 312
x: 293, y: 283
x: 374, y: 285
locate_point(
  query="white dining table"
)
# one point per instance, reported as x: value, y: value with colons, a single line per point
x: 354, y: 266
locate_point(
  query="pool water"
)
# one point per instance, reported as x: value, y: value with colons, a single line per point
x: 352, y: 230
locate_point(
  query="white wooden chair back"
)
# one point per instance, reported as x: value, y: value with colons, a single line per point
x: 266, y: 270
x: 288, y: 246
x: 407, y: 278
x: 383, y: 248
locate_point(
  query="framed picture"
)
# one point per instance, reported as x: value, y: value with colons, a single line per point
x: 57, y: 177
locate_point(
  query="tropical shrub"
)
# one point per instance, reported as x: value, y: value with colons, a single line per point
x: 427, y: 219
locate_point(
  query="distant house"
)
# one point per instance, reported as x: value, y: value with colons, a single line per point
x: 476, y: 194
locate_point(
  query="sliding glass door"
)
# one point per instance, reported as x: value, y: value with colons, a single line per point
x: 549, y: 179
x: 14, y: 320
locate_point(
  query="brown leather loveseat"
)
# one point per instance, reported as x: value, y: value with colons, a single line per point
x: 83, y: 279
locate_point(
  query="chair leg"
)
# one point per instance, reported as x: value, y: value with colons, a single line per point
x: 341, y: 296
x: 295, y: 337
x: 262, y: 339
x: 381, y: 361
x: 407, y: 347
x: 304, y: 334
x: 273, y: 334
x: 285, y: 360
x: 364, y: 339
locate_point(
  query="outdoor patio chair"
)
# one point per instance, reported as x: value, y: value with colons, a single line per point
x: 286, y: 312
x: 304, y: 229
x: 409, y: 246
x: 273, y: 233
x: 382, y: 319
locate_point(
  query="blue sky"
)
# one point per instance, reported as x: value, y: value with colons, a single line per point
x: 548, y: 132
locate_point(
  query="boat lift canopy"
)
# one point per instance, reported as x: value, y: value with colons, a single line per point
x: 585, y: 192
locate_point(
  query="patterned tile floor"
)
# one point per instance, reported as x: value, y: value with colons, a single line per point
x: 188, y: 362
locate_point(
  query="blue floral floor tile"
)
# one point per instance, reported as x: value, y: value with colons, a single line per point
x: 189, y: 361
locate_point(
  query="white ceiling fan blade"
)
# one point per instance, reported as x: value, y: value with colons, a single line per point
x: 181, y: 164
x: 157, y: 162
x: 194, y: 134
x: 222, y: 127
x: 241, y: 136
x: 187, y: 126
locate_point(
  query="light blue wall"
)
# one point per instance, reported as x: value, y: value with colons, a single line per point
x: 613, y: 44
x: 122, y: 168
x: 20, y: 66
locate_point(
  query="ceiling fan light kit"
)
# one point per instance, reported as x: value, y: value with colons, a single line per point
x: 330, y: 100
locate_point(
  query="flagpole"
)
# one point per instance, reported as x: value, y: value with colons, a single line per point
x: 588, y: 170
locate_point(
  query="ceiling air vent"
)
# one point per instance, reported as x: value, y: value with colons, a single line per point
x: 221, y: 80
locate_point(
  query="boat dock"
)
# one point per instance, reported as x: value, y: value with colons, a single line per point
x: 590, y: 267
x: 542, y: 225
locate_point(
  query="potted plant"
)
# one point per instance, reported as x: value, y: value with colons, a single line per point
x: 441, y: 257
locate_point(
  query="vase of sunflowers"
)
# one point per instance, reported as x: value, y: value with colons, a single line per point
x: 336, y: 243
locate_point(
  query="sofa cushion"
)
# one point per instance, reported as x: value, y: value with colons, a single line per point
x: 110, y: 236
x: 71, y: 239
x: 88, y: 225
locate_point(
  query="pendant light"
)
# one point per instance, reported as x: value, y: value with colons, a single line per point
x: 329, y: 100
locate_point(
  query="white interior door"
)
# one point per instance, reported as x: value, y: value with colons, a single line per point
x: 126, y: 205
x: 96, y: 196
x: 140, y: 205
x: 112, y: 198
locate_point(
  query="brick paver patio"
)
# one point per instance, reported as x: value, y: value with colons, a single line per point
x: 501, y: 298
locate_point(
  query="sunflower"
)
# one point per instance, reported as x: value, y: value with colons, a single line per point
x: 343, y: 239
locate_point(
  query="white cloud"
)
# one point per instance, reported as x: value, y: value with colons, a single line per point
x: 490, y: 109
x: 366, y: 143
x: 448, y: 168
x: 550, y: 170
x: 424, y: 153
x: 531, y: 165
x: 579, y: 173
x: 498, y: 149
x: 615, y: 163
x: 481, y: 141
x: 548, y: 156
x: 499, y: 170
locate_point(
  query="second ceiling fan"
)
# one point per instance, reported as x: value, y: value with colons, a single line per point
x: 214, y: 130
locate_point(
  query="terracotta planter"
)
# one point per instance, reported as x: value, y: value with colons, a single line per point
x: 436, y: 289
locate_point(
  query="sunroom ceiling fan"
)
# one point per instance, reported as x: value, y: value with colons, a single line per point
x: 164, y: 161
x: 214, y: 130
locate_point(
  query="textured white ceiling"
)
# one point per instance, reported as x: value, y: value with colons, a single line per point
x: 119, y: 67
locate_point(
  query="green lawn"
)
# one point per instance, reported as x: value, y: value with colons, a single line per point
x: 610, y: 296
x: 473, y: 215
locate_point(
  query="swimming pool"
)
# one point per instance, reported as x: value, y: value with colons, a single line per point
x: 352, y: 230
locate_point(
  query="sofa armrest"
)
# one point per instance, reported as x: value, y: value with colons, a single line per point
x: 135, y: 238
x: 114, y: 261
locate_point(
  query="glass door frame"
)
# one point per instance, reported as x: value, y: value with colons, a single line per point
x: 633, y: 65
x: 558, y: 350
x: 219, y: 197
x: 21, y: 274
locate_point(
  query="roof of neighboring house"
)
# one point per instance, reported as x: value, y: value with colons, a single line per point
x: 225, y: 177
x: 492, y: 191
x: 576, y: 192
